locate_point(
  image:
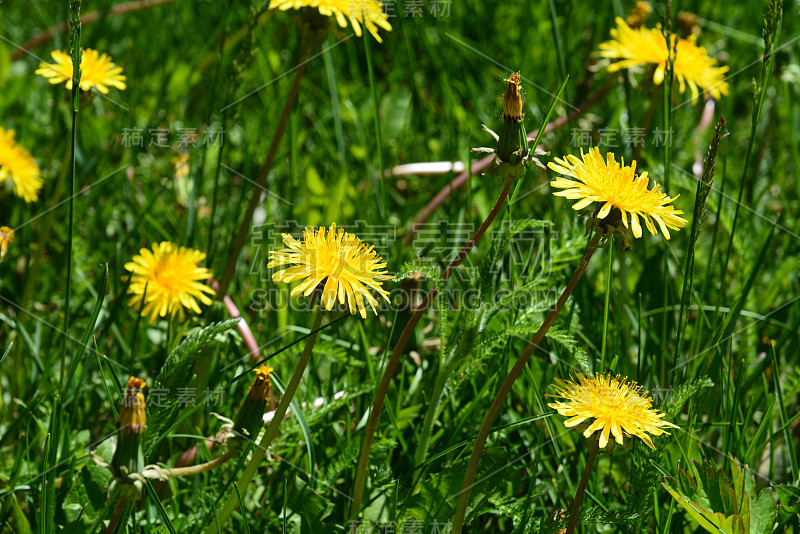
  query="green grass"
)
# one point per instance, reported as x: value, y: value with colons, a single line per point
x: 732, y: 314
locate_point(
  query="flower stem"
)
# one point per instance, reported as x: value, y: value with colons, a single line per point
x: 272, y: 430
x: 394, y: 359
x: 576, y: 504
x: 261, y: 180
x: 478, y: 166
x: 75, y: 25
x: 610, y: 250
x: 491, y: 415
x: 379, y: 191
x: 202, y: 468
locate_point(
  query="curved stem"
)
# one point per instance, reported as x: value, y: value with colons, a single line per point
x: 201, y: 468
x: 576, y: 504
x: 88, y: 18
x: 261, y: 180
x: 272, y: 430
x: 491, y: 415
x: 481, y: 165
x: 394, y: 359
x: 610, y: 251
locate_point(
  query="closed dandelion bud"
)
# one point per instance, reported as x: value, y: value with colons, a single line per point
x: 128, y: 458
x: 250, y: 416
x: 688, y: 24
x: 639, y: 14
x: 6, y: 238
x: 512, y: 144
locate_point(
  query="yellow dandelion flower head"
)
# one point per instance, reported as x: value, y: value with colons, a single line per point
x: 6, y: 238
x: 370, y: 13
x: 615, y: 406
x: 639, y: 47
x: 97, y: 70
x: 593, y: 179
x: 18, y: 166
x: 168, y: 279
x: 352, y: 268
x: 132, y: 416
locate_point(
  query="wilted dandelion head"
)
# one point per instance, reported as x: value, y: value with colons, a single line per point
x: 6, y: 238
x: 168, y: 280
x: 259, y: 389
x: 97, y: 70
x: 512, y: 100
x: 591, y: 178
x: 250, y: 416
x: 639, y: 14
x: 615, y: 406
x: 370, y: 13
x: 18, y: 166
x: 352, y: 268
x: 640, y: 47
x: 132, y: 415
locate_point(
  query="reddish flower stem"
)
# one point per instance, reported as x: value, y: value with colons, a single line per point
x: 394, y: 360
x: 494, y: 411
x: 483, y: 163
x: 88, y: 18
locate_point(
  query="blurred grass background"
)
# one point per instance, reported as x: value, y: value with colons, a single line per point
x: 438, y: 78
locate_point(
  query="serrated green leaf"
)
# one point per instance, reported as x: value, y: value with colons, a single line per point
x: 176, y: 372
x: 723, y: 505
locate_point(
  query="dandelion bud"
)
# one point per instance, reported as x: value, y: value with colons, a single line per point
x: 512, y: 101
x: 512, y: 144
x: 688, y: 24
x: 6, y: 238
x: 128, y: 458
x: 250, y: 416
x: 639, y: 14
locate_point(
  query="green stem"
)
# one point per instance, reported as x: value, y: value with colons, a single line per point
x: 434, y: 409
x: 260, y: 450
x: 379, y: 192
x: 397, y: 352
x: 505, y: 389
x: 576, y: 504
x: 609, y: 270
x: 75, y: 9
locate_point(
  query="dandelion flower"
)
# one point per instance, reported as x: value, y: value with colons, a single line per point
x: 6, y: 238
x: 351, y: 266
x: 639, y: 47
x: 17, y: 165
x: 616, y: 185
x: 169, y: 280
x: 370, y: 13
x: 97, y: 70
x: 616, y: 407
